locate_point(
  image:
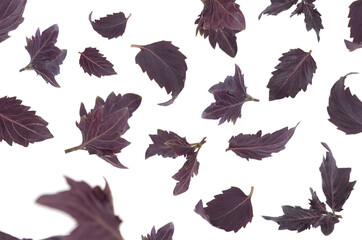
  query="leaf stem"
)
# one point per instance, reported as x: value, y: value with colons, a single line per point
x: 136, y: 45
x: 73, y: 149
x: 28, y: 67
x: 251, y: 191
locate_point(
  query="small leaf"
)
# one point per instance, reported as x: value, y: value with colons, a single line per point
x: 184, y: 175
x: 111, y: 26
x: 19, y: 125
x: 294, y: 73
x: 230, y: 210
x: 103, y: 126
x: 345, y: 109
x: 278, y: 6
x: 164, y: 63
x: 164, y: 233
x: 94, y: 63
x: 45, y: 56
x: 256, y: 146
x: 92, y: 208
x: 230, y: 96
x: 355, y: 23
x: 11, y: 16
x: 335, y: 182
x: 316, y: 204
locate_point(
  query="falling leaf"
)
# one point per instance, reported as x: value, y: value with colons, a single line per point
x: 164, y: 233
x: 94, y: 63
x: 20, y: 125
x: 230, y: 210
x: 345, y: 109
x: 45, y: 57
x: 355, y: 23
x: 11, y: 16
x: 164, y: 63
x: 294, y: 73
x: 111, y: 26
x: 278, y: 6
x: 256, y: 146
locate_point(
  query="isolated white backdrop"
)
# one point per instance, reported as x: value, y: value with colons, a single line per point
x: 143, y: 193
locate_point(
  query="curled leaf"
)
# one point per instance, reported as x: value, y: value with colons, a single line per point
x: 111, y: 26
x: 94, y: 63
x: 11, y: 16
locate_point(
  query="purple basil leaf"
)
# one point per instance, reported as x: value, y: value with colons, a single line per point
x: 111, y: 26
x: 355, y: 23
x: 278, y: 6
x: 92, y: 208
x: 5, y: 236
x: 316, y: 204
x: 295, y: 218
x: 103, y: 126
x: 20, y: 125
x: 345, y: 109
x: 326, y: 222
x: 164, y: 63
x: 294, y: 73
x: 184, y: 175
x: 45, y: 57
x: 168, y: 144
x: 256, y: 146
x: 229, y: 96
x: 94, y: 63
x: 225, y: 38
x: 335, y: 182
x: 230, y: 210
x: 164, y: 233
x: 11, y: 16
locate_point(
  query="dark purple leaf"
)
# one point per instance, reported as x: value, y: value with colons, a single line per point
x: 278, y: 6
x: 355, y: 23
x: 294, y: 73
x: 316, y: 204
x: 164, y: 233
x: 94, y: 63
x: 11, y: 16
x: 229, y: 96
x: 103, y: 126
x: 164, y: 63
x: 326, y: 222
x: 111, y: 26
x: 335, y: 182
x: 92, y: 208
x: 19, y: 125
x: 45, y: 57
x: 5, y: 236
x: 184, y: 175
x: 230, y: 210
x: 345, y: 109
x: 256, y: 146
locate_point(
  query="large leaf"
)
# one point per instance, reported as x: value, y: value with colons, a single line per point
x: 103, y: 126
x: 93, y: 63
x: 92, y: 209
x: 355, y: 23
x: 111, y: 26
x: 345, y: 109
x: 19, y: 125
x: 230, y: 210
x: 164, y: 63
x: 164, y: 233
x: 45, y: 57
x: 11, y: 16
x: 256, y: 146
x: 278, y: 6
x: 335, y: 181
x: 294, y: 73
x: 230, y: 96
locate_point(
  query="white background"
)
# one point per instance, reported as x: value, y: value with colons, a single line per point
x: 143, y: 193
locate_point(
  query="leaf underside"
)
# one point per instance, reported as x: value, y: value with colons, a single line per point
x: 111, y: 26
x: 345, y: 109
x: 11, y: 16
x: 164, y: 233
x: 355, y: 24
x: 19, y: 125
x: 94, y: 63
x: 294, y: 73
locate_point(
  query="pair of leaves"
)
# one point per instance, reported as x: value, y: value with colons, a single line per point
x: 169, y: 144
x: 294, y: 73
x: 336, y: 188
x: 11, y: 16
x: 164, y: 233
x: 230, y: 96
x: 355, y: 23
x: 45, y: 57
x: 312, y: 17
x: 230, y: 210
x: 345, y: 109
x: 20, y: 125
x: 256, y: 146
x: 221, y: 20
x: 104, y: 125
